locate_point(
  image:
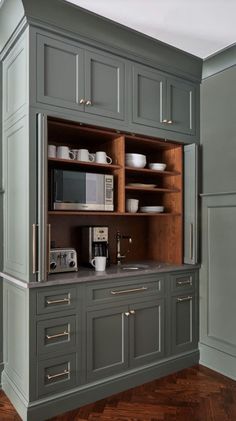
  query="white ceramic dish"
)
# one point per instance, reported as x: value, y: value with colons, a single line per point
x: 135, y: 156
x: 151, y: 209
x: 135, y: 164
x: 157, y: 166
x: 135, y: 160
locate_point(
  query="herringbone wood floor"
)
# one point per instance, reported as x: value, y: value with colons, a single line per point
x: 194, y: 394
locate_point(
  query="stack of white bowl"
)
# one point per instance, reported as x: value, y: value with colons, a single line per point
x: 135, y: 160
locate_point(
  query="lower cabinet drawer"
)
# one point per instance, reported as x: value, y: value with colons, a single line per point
x: 146, y: 287
x: 53, y: 300
x: 56, y: 374
x: 56, y: 335
x: 184, y: 281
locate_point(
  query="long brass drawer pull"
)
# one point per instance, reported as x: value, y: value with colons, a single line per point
x: 189, y: 282
x: 58, y: 335
x: 127, y: 291
x: 191, y: 242
x: 63, y: 300
x: 55, y: 376
x: 184, y: 299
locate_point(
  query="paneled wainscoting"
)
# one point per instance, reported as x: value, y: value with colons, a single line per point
x: 194, y: 394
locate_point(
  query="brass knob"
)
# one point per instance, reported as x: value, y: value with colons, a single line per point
x: 127, y: 313
x: 82, y: 101
x: 169, y: 122
x: 132, y: 311
x: 88, y: 102
x: 165, y: 120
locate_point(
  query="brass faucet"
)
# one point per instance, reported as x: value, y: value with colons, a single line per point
x: 119, y: 237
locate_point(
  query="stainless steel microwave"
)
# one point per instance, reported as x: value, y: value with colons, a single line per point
x: 73, y: 190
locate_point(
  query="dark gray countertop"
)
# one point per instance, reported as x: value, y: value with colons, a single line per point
x: 112, y: 272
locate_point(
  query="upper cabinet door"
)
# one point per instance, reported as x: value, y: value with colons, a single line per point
x: 181, y: 107
x: 104, y: 85
x: 149, y: 97
x: 60, y: 79
x: 191, y: 204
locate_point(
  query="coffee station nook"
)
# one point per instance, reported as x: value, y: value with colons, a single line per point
x: 100, y: 207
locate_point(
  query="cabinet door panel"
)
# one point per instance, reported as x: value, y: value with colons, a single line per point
x: 104, y: 85
x: 146, y: 332
x: 181, y: 107
x: 190, y: 204
x: 107, y: 332
x: 61, y: 73
x: 184, y: 323
x: 149, y: 97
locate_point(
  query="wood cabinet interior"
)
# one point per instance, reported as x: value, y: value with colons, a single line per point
x: 155, y: 236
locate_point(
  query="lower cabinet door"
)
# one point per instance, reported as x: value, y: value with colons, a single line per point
x: 184, y: 333
x: 107, y: 344
x: 146, y: 337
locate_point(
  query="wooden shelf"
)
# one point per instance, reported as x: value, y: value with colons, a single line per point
x: 151, y: 189
x: 83, y: 164
x: 147, y: 171
x: 97, y: 213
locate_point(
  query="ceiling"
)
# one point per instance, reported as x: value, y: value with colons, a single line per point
x: 200, y: 27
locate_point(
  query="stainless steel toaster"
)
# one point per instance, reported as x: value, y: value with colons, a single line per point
x: 63, y: 260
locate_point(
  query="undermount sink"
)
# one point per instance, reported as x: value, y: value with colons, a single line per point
x: 139, y: 266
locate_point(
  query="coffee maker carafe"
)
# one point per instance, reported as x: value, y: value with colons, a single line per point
x: 94, y: 243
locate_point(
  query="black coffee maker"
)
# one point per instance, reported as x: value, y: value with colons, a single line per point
x: 94, y: 242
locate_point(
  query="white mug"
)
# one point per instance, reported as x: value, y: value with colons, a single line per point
x: 52, y: 151
x: 99, y: 262
x: 64, y: 152
x: 84, y: 155
x: 132, y: 205
x: 102, y: 158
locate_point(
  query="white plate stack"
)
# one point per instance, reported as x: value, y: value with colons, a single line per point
x: 152, y: 209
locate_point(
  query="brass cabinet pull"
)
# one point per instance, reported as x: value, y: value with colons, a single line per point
x: 184, y: 299
x: 82, y: 101
x: 132, y: 311
x: 188, y: 282
x: 191, y: 242
x: 63, y: 300
x: 169, y: 122
x: 34, y: 248
x: 165, y: 120
x: 127, y: 291
x: 88, y: 102
x: 54, y: 376
x: 127, y: 313
x: 58, y: 335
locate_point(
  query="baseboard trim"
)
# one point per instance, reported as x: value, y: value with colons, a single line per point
x: 218, y: 361
x: 49, y: 407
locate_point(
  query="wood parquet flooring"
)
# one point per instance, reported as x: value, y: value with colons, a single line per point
x: 194, y: 394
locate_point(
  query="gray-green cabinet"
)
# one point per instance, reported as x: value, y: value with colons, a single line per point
x: 118, y: 337
x: 184, y: 335
x: 181, y: 106
x: 147, y: 332
x: 164, y: 102
x: 87, y: 340
x: 191, y: 204
x: 149, y: 96
x: 107, y: 342
x: 184, y: 312
x: 73, y: 77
